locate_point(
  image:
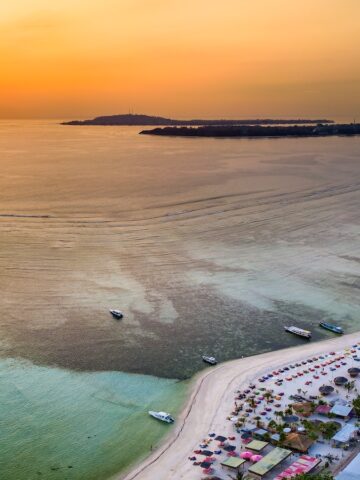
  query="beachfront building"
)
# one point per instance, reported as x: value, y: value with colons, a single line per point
x: 303, y: 464
x: 269, y: 462
x: 342, y: 411
x: 234, y: 463
x: 323, y: 409
x: 257, y: 445
x: 298, y: 442
x: 343, y: 436
x: 352, y: 471
x: 259, y: 433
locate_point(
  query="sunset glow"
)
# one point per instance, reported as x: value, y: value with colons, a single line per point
x: 81, y: 58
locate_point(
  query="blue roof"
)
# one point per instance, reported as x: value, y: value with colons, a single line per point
x: 351, y: 472
x: 344, y: 435
x: 341, y: 410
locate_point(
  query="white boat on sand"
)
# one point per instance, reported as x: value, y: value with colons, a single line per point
x: 116, y: 313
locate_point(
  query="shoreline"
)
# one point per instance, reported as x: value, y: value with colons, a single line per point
x: 210, y: 400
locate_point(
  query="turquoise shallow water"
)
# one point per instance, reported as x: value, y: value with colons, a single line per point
x: 57, y: 424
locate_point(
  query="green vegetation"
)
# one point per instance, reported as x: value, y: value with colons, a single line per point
x: 356, y: 405
x: 328, y: 429
x: 315, y: 476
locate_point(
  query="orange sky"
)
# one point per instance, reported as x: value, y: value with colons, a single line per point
x: 180, y: 58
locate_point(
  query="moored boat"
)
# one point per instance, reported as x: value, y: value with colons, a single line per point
x: 332, y: 328
x: 163, y: 416
x: 210, y: 360
x: 299, y: 331
x: 116, y: 313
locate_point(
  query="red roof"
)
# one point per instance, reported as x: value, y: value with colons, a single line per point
x: 323, y: 409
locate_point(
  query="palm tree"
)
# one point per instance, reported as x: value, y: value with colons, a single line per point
x: 267, y: 395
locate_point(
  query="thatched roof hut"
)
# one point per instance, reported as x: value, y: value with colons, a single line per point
x: 298, y: 441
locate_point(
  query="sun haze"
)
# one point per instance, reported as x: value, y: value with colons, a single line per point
x: 180, y: 58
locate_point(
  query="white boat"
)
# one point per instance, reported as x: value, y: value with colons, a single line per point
x: 298, y: 331
x: 211, y: 360
x: 116, y: 313
x: 163, y: 416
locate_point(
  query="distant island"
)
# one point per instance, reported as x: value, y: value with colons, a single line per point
x: 143, y: 120
x: 258, y: 131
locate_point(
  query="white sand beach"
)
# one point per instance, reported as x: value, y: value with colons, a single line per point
x: 211, y: 401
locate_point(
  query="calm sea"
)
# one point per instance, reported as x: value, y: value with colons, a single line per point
x: 207, y: 245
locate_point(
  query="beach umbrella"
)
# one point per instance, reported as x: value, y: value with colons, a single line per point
x: 354, y: 371
x: 255, y: 458
x: 246, y: 455
x: 210, y: 459
x: 340, y: 381
x: 232, y: 454
x: 220, y: 438
x: 205, y: 464
x: 206, y: 453
x: 326, y: 389
x: 208, y: 471
x: 230, y: 448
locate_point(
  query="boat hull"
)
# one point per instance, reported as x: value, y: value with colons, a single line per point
x: 162, y: 416
x: 208, y: 360
x: 332, y: 328
x: 300, y: 333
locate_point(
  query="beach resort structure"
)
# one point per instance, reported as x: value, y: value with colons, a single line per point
x: 267, y: 423
x: 351, y: 471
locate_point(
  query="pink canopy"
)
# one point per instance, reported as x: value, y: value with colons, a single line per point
x: 246, y: 455
x: 256, y: 458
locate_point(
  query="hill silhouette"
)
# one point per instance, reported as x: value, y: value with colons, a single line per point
x: 143, y: 120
